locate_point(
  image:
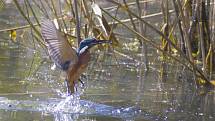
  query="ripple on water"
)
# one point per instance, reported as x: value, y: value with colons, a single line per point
x: 69, y: 105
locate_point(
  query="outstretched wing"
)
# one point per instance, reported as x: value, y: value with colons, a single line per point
x: 60, y: 51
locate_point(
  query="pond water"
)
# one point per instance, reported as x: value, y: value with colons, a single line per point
x: 113, y: 90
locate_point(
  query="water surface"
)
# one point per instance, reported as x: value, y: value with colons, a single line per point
x: 31, y: 90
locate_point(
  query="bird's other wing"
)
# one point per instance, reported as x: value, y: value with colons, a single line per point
x: 60, y: 51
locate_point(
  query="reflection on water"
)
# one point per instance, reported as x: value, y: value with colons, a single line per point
x: 113, y: 91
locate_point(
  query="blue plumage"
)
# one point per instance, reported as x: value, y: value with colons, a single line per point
x: 73, y: 61
x: 65, y: 66
x: 86, y: 44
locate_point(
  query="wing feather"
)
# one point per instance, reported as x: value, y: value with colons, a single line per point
x: 60, y: 51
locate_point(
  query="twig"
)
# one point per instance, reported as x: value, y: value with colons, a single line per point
x: 155, y: 46
x: 77, y: 22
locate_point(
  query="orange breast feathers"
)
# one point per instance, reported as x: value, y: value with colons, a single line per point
x: 77, y: 69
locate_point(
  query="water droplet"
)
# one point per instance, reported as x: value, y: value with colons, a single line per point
x: 118, y: 111
x: 201, y: 114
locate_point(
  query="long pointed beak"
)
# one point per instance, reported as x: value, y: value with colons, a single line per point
x: 96, y: 42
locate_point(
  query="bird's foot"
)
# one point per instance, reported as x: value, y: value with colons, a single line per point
x: 68, y: 88
x: 82, y: 83
x: 76, y: 84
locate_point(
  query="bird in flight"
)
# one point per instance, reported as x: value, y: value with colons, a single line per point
x: 72, y: 61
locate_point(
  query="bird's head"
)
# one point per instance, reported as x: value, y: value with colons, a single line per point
x: 90, y: 42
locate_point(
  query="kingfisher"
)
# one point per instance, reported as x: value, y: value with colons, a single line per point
x: 72, y: 61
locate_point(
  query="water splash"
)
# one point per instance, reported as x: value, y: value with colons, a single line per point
x: 71, y: 107
x: 70, y: 104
